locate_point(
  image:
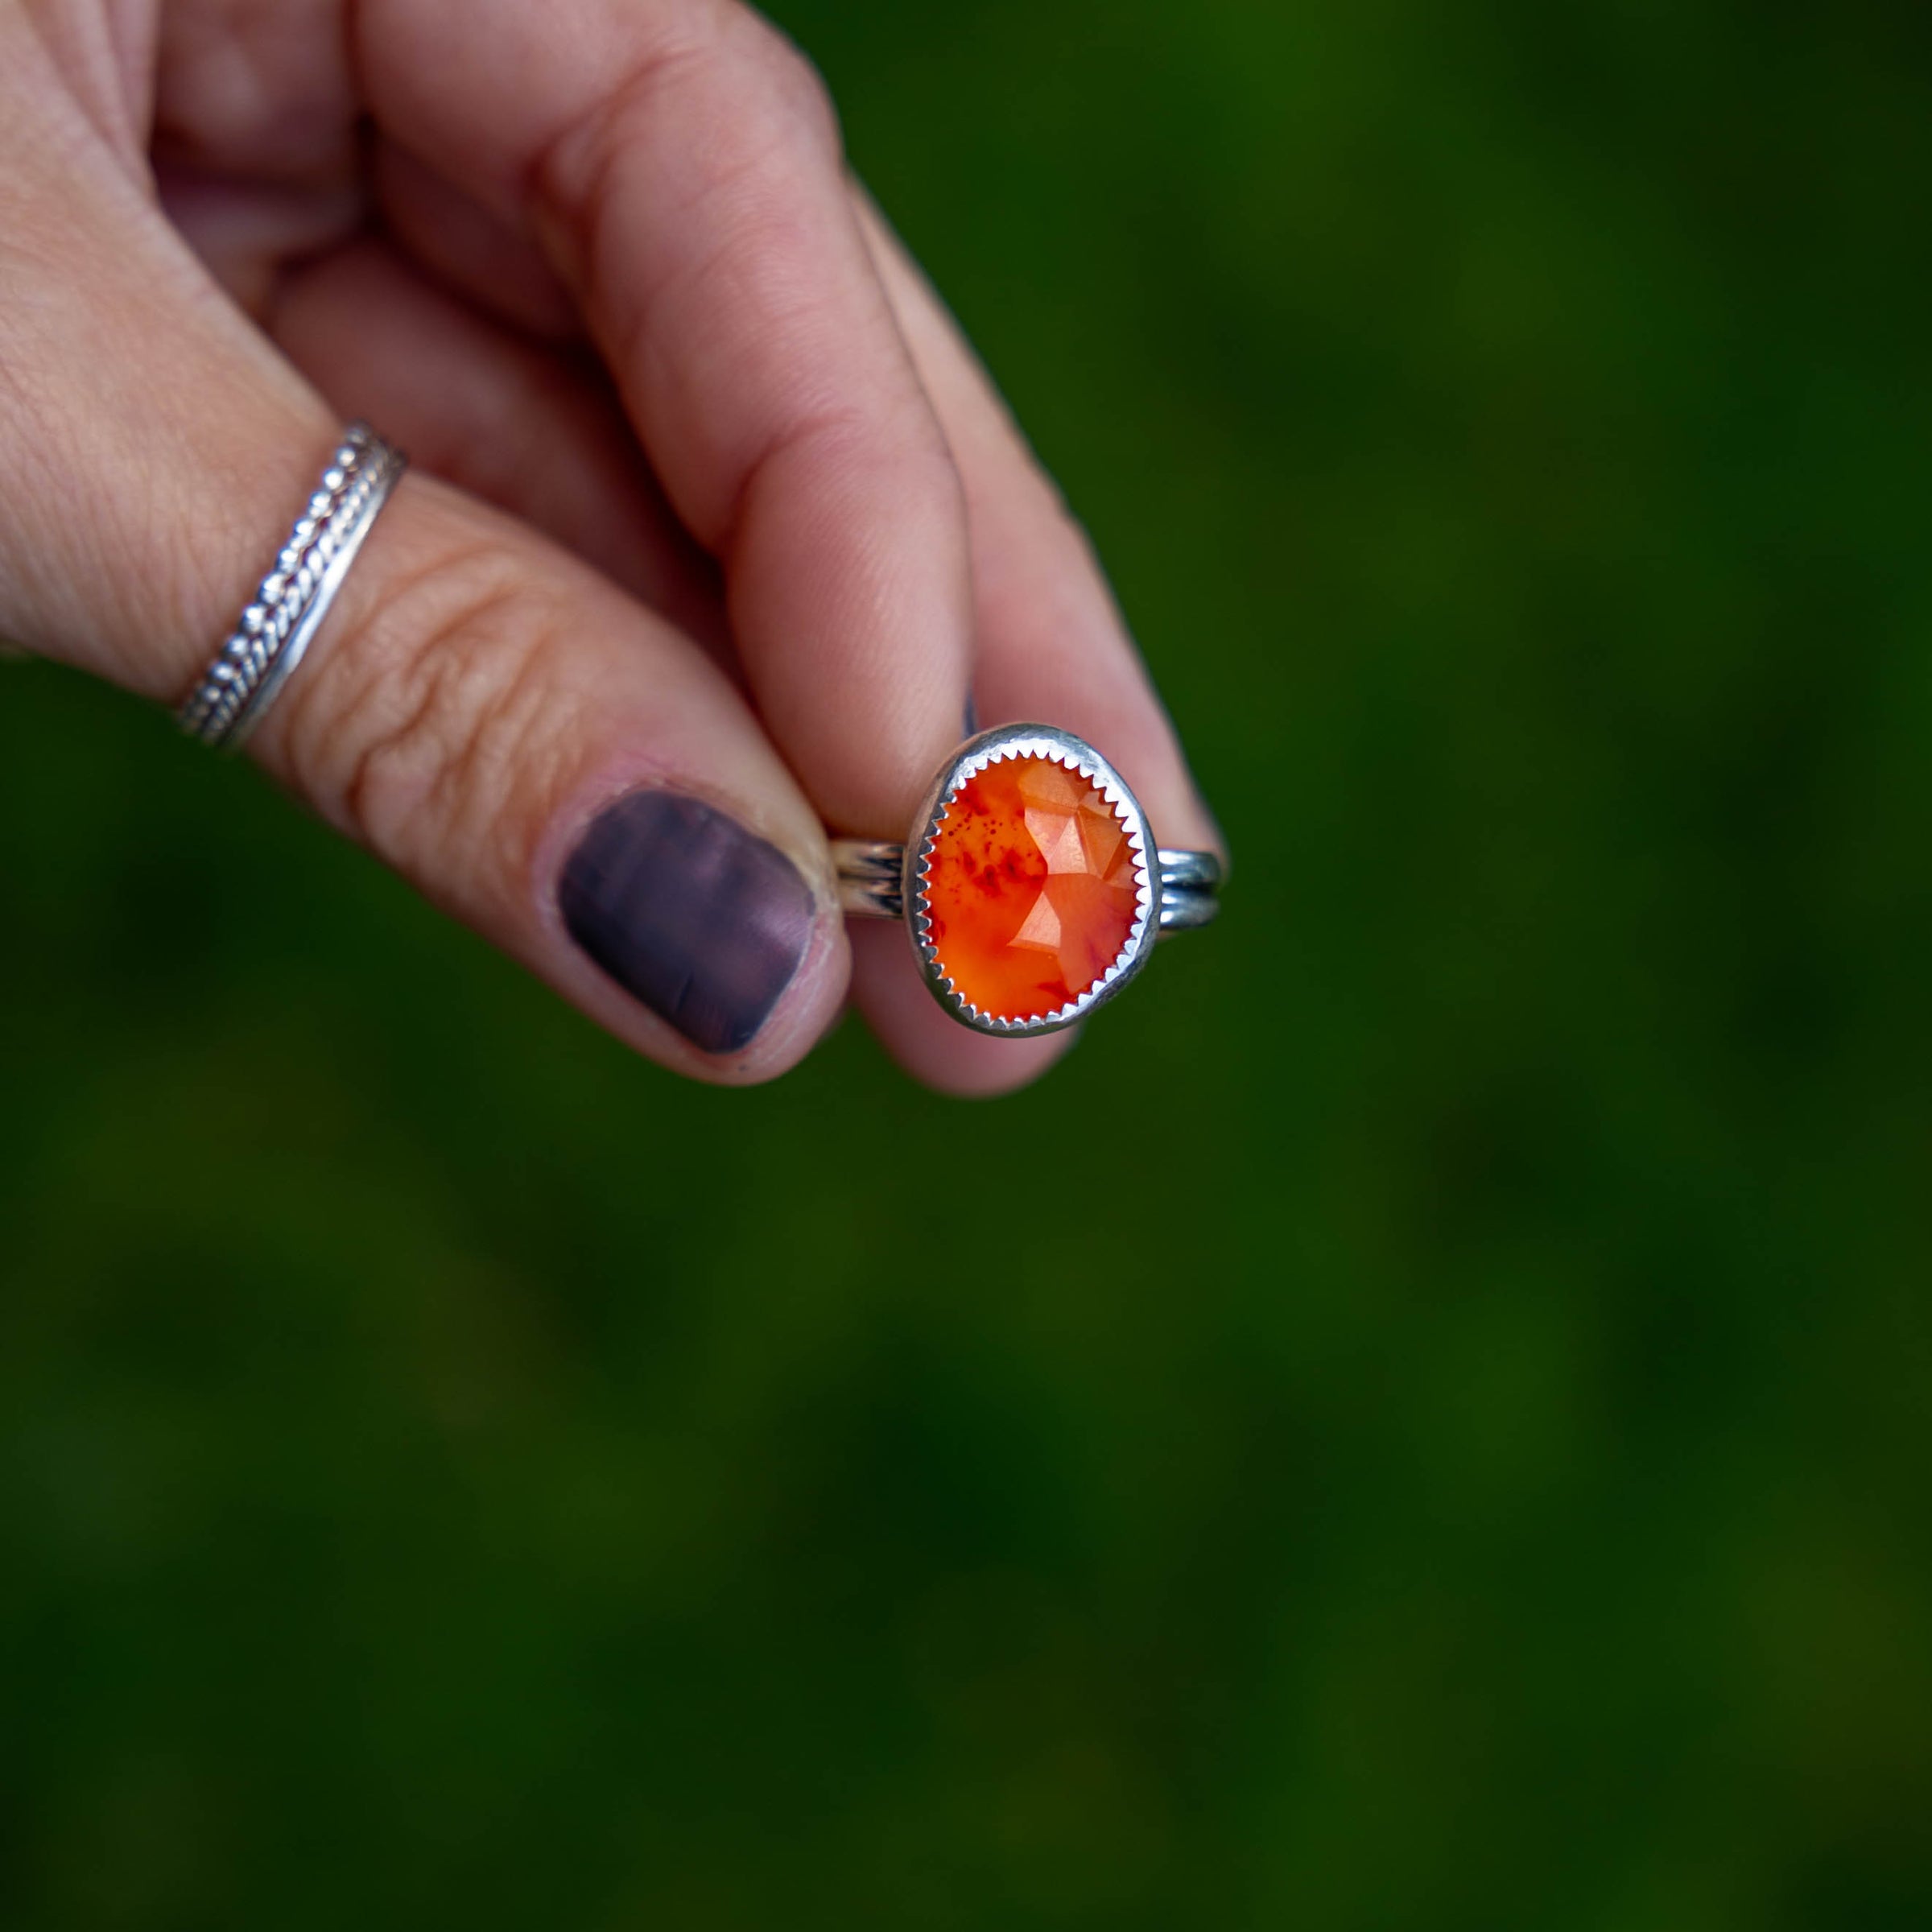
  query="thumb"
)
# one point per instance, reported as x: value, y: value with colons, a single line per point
x: 537, y: 752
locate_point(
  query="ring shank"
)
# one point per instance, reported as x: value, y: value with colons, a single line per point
x: 1191, y: 889
x: 871, y: 874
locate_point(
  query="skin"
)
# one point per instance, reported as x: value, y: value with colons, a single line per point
x: 708, y: 492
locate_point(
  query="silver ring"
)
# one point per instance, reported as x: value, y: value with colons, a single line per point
x: 1031, y: 886
x: 233, y: 696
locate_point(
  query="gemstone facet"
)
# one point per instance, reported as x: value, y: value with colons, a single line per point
x: 1031, y: 889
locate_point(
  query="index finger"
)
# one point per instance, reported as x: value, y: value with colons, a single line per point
x: 678, y: 161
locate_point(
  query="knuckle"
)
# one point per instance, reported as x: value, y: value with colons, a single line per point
x: 728, y: 68
x: 798, y: 93
x: 425, y: 732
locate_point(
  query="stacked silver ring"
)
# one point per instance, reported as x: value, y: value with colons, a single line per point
x: 286, y: 610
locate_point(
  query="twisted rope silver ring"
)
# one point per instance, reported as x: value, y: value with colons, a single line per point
x: 1031, y: 886
x: 233, y: 696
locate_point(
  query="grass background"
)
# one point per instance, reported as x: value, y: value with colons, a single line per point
x: 1423, y: 1422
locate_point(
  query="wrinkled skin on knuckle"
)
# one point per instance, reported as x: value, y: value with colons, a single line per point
x: 745, y: 97
x: 436, y: 732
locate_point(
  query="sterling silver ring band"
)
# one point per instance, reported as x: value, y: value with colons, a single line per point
x: 281, y: 619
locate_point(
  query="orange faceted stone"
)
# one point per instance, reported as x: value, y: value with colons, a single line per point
x: 1029, y: 888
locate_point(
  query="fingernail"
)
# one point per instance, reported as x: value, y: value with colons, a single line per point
x: 684, y: 908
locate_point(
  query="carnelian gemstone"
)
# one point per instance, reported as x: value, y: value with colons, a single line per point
x: 1029, y: 888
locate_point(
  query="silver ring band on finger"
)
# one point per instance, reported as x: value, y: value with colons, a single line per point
x: 1031, y: 886
x: 280, y: 622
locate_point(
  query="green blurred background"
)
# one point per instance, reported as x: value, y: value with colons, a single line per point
x: 1425, y: 1424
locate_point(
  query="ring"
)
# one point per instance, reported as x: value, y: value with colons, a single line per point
x: 233, y: 696
x: 1031, y: 884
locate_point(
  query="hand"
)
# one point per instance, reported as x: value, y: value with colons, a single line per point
x: 715, y: 526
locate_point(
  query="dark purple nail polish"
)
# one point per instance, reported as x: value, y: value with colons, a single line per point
x: 684, y: 907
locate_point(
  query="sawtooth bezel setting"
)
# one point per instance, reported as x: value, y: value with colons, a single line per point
x: 1062, y: 747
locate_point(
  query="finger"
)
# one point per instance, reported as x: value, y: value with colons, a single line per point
x: 540, y: 755
x: 680, y: 165
x: 257, y: 162
x: 931, y: 1046
x: 1051, y: 643
x: 524, y: 428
